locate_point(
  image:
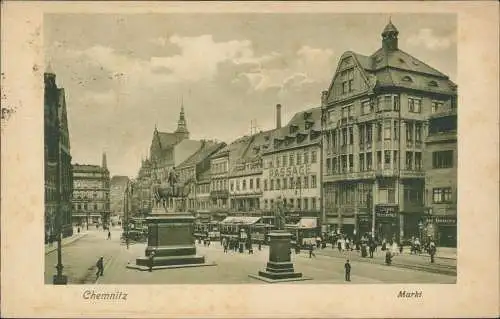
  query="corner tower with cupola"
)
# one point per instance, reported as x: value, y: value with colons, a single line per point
x: 377, y: 109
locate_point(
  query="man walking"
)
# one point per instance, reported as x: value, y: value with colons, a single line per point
x: 100, y: 267
x: 432, y: 250
x: 347, y: 267
x: 311, y: 250
x: 151, y: 257
x: 109, y: 234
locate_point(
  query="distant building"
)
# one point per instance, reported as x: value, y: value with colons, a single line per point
x: 118, y: 185
x: 91, y: 193
x: 378, y: 108
x: 291, y: 171
x: 441, y: 163
x: 189, y: 171
x: 57, y: 159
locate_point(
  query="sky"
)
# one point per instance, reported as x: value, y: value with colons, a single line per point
x: 125, y: 74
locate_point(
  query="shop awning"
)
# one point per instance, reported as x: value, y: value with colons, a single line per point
x: 239, y: 220
x: 305, y: 222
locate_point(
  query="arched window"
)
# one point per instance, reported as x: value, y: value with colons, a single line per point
x: 406, y: 78
x: 433, y: 83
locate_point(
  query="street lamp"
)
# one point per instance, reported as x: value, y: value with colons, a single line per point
x: 59, y: 278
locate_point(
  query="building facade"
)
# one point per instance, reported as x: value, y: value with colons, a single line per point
x: 118, y: 185
x: 245, y: 174
x: 291, y: 173
x: 189, y: 172
x: 441, y: 163
x: 377, y: 109
x: 57, y: 161
x: 91, y: 194
x: 219, y: 183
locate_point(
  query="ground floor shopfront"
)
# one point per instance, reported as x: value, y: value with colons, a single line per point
x: 390, y: 223
x: 442, y: 228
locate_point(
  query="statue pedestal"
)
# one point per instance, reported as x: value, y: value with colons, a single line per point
x: 171, y: 238
x: 279, y: 267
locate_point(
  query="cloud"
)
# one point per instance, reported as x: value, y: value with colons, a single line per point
x: 200, y: 57
x: 426, y: 37
x: 306, y: 65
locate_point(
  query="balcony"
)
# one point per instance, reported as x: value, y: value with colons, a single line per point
x: 441, y: 137
x: 406, y: 173
x: 219, y: 194
x: 349, y: 176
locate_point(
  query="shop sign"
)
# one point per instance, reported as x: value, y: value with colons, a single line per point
x: 444, y: 220
x: 299, y: 170
x: 385, y: 212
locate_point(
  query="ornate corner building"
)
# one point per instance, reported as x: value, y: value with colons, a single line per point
x: 57, y: 160
x: 378, y: 132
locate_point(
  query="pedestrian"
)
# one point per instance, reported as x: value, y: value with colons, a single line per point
x: 388, y: 257
x: 224, y: 243
x: 109, y: 234
x: 347, y: 267
x: 260, y: 245
x: 151, y: 260
x: 208, y: 242
x: 100, y: 267
x: 432, y: 250
x: 311, y: 250
x: 78, y: 229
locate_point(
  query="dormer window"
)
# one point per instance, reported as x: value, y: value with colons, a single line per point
x: 433, y: 83
x: 401, y: 60
x: 407, y: 79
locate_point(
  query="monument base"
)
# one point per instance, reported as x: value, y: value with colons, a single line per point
x: 279, y: 267
x: 170, y: 242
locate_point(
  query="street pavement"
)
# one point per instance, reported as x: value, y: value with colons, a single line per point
x: 79, y: 259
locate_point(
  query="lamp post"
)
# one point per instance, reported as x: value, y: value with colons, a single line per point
x: 59, y: 278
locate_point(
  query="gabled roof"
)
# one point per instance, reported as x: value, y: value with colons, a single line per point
x: 206, y: 149
x: 167, y: 139
x: 299, y: 120
x: 401, y: 60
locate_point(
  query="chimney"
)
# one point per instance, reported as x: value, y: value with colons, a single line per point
x: 104, y: 162
x: 278, y: 115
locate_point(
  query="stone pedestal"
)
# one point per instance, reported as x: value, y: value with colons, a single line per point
x: 171, y: 238
x: 279, y: 267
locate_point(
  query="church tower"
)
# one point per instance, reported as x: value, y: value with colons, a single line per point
x: 390, y: 37
x: 182, y: 132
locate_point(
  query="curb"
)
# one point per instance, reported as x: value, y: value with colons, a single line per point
x: 450, y: 271
x: 68, y: 242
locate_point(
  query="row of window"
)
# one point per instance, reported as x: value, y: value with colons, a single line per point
x: 218, y: 168
x: 293, y: 158
x: 386, y: 130
x: 87, y: 207
x: 385, y: 103
x: 244, y: 184
x: 345, y: 163
x: 304, y: 182
x: 294, y: 203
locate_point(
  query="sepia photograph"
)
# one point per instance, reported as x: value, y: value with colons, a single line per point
x: 330, y: 156
x: 261, y: 159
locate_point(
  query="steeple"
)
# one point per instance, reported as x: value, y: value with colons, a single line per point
x: 104, y: 162
x: 390, y: 37
x: 181, y: 124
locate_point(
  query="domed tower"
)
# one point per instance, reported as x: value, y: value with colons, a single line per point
x: 390, y: 37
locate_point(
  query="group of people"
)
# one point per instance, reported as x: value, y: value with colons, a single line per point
x: 234, y: 244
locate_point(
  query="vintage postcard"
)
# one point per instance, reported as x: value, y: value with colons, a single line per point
x: 177, y: 159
